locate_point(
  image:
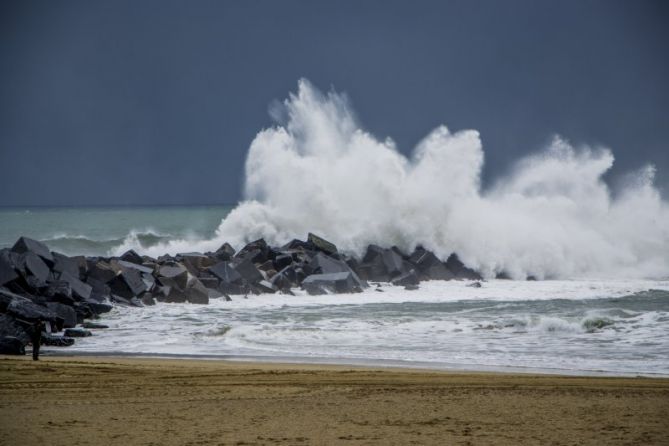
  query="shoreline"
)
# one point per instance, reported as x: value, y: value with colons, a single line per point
x: 381, y: 364
x: 108, y: 400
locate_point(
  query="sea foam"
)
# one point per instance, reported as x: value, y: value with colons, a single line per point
x: 552, y: 216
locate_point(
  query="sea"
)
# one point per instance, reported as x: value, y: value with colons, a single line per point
x: 585, y: 325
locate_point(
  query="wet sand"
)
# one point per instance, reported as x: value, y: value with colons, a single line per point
x: 133, y: 401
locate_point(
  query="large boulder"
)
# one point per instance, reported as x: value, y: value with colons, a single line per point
x: 406, y: 279
x: 75, y: 266
x: 127, y: 284
x: 373, y: 266
x: 257, y: 252
x: 225, y: 272
x: 428, y: 266
x: 342, y: 282
x: 35, y: 266
x: 196, y: 292
x: 459, y: 270
x: 7, y: 267
x: 25, y: 310
x: 132, y: 257
x: 247, y: 270
x: 10, y: 327
x: 320, y: 244
x: 196, y: 263
x: 59, y: 291
x: 24, y: 245
x: 282, y: 260
x: 65, y: 312
x: 11, y: 346
x: 225, y: 252
x: 101, y: 270
x: 80, y: 290
x: 322, y: 264
x: 174, y: 275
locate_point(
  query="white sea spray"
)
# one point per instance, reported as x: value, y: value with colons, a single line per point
x: 552, y: 216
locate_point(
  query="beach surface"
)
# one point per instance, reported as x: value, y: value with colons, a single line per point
x: 136, y: 401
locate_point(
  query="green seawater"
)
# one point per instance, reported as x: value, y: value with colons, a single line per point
x: 98, y: 230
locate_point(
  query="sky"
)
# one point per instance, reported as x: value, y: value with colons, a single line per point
x: 156, y: 102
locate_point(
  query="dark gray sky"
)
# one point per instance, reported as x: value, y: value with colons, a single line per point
x: 156, y: 102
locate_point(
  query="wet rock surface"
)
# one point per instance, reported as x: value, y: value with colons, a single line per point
x: 65, y: 293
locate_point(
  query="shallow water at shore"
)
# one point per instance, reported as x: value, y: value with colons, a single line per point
x: 570, y: 327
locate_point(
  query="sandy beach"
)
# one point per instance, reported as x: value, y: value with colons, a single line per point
x: 133, y: 401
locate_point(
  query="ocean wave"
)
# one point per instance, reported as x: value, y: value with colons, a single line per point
x: 86, y: 245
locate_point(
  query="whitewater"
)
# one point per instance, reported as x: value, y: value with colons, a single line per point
x: 600, y: 254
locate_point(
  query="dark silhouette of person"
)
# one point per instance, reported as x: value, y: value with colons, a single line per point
x: 36, y: 338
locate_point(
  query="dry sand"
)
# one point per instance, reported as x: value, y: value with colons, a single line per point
x: 113, y: 401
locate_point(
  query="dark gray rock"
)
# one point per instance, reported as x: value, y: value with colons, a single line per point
x: 77, y: 333
x: 257, y: 252
x: 128, y: 284
x: 196, y: 292
x: 226, y: 273
x: 11, y: 346
x: 80, y: 290
x: 9, y: 326
x: 65, y: 312
x: 373, y: 267
x: 94, y: 325
x: 248, y: 271
x: 102, y: 271
x: 282, y: 260
x: 285, y: 279
x: 393, y: 262
x: 98, y: 307
x: 136, y: 266
x: 172, y: 295
x: 24, y: 245
x: 267, y: 266
x: 322, y: 264
x: 35, y: 266
x: 410, y: 278
x: 320, y: 244
x: 196, y: 263
x: 59, y: 291
x: 210, y: 282
x: 331, y: 283
x: 265, y: 286
x: 429, y: 266
x: 173, y: 275
x: 132, y: 257
x: 147, y: 299
x: 24, y: 309
x: 225, y: 252
x: 127, y: 302
x: 459, y: 270
x: 7, y: 265
x: 63, y: 263
x: 298, y: 245
x: 475, y: 285
x: 56, y: 341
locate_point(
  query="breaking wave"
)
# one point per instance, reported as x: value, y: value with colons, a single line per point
x: 553, y: 216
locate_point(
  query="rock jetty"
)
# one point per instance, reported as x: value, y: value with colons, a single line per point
x: 41, y: 288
